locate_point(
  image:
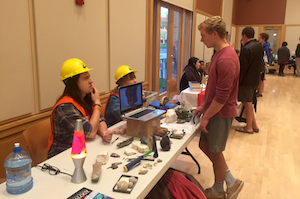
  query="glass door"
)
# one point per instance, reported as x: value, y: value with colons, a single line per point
x: 274, y: 39
x: 169, y: 49
x: 163, y: 53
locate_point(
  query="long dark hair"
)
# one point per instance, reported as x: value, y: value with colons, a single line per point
x: 73, y: 91
x: 192, y: 62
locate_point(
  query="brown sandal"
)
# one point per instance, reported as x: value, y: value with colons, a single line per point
x: 244, y: 130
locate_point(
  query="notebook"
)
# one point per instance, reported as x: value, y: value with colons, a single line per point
x: 131, y: 104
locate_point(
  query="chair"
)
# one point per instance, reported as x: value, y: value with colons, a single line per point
x: 171, y: 88
x: 36, y: 138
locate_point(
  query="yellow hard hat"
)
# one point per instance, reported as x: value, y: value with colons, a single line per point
x: 73, y: 67
x: 122, y: 71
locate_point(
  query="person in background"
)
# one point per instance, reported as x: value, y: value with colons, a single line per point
x: 283, y: 57
x: 263, y: 39
x: 124, y: 76
x: 297, y: 53
x: 251, y: 61
x: 80, y: 100
x: 201, y: 70
x: 219, y: 107
x: 190, y: 73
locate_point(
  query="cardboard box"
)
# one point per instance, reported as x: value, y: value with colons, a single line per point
x: 138, y: 128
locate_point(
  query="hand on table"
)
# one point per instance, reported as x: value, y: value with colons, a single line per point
x: 107, y: 135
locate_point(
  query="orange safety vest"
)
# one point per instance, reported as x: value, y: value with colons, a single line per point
x: 107, y: 101
x: 64, y: 100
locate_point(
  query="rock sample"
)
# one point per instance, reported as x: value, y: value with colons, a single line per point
x: 97, y: 168
x: 102, y: 157
x: 135, y: 145
x: 129, y: 152
x: 171, y: 116
x: 177, y: 134
x: 143, y: 172
x: 161, y: 131
x: 125, y: 142
x: 132, y: 179
x: 115, y: 155
x: 122, y: 185
x: 165, y: 143
x: 121, y: 129
x: 143, y: 148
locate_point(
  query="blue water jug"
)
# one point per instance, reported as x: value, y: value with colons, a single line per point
x: 18, y: 171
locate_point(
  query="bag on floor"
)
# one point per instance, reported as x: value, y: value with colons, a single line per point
x: 178, y: 185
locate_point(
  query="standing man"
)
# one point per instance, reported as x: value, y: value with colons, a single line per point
x: 298, y: 59
x: 283, y: 57
x: 251, y: 61
x: 219, y: 107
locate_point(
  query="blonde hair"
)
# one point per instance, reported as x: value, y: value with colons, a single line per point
x: 212, y: 24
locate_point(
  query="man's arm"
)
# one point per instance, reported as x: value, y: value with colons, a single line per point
x: 244, y: 63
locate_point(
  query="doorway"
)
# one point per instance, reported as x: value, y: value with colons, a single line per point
x: 170, y: 44
x: 274, y: 33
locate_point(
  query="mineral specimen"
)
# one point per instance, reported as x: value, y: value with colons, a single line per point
x: 97, y: 168
x: 102, y: 157
x: 115, y: 155
x: 125, y: 143
x: 165, y: 143
x: 122, y: 185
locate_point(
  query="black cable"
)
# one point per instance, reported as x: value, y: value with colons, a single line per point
x: 52, y: 169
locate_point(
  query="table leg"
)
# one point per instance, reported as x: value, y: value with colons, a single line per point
x: 188, y: 153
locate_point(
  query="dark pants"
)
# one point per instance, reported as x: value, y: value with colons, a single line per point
x: 281, y: 68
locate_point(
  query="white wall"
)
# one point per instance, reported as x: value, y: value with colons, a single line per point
x: 186, y: 4
x: 127, y: 37
x: 292, y: 37
x: 72, y: 32
x: 199, y: 46
x: 227, y: 14
x: 16, y: 84
x: 292, y: 13
x: 233, y: 36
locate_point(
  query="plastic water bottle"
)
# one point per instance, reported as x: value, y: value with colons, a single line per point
x: 18, y: 171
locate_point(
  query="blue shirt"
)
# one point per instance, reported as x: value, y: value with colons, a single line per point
x: 266, y: 47
x: 112, y: 113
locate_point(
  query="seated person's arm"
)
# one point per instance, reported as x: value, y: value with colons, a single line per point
x: 94, y: 122
x: 115, y: 105
x: 102, y: 130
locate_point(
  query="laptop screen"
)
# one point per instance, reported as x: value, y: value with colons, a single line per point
x: 130, y: 97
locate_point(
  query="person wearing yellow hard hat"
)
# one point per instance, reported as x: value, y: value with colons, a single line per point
x: 80, y: 100
x: 124, y: 76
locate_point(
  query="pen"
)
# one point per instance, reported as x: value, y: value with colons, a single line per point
x: 115, y: 140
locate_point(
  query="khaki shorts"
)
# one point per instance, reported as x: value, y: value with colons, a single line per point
x: 218, y: 131
x: 246, y: 93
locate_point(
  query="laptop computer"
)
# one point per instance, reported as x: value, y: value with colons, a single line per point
x: 131, y: 104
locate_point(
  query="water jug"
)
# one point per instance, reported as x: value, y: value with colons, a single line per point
x: 18, y: 171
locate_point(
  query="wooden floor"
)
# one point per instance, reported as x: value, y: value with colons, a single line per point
x: 269, y: 161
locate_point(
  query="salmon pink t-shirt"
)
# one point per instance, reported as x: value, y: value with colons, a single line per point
x: 223, y: 82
